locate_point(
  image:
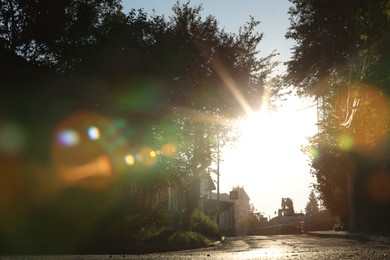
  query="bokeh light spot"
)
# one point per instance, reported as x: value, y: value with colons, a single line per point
x: 93, y: 133
x: 168, y: 149
x: 346, y: 142
x: 12, y: 138
x: 368, y: 117
x: 313, y: 152
x: 68, y: 137
x: 129, y: 159
x: 153, y: 154
x: 146, y: 156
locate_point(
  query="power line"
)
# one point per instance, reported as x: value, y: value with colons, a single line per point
x: 304, y: 108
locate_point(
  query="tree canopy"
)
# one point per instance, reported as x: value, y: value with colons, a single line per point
x: 341, y: 60
x: 312, y: 207
x: 130, y: 93
x: 337, y: 42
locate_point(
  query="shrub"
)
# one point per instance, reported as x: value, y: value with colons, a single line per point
x: 188, y: 238
x: 203, y: 224
x: 141, y: 225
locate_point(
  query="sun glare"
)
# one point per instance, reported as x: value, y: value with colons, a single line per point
x: 271, y: 137
x: 259, y: 138
x: 267, y: 158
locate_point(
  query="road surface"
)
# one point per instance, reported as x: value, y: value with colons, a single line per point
x: 265, y: 247
x: 286, y: 247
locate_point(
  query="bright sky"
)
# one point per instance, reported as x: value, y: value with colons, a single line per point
x: 278, y: 169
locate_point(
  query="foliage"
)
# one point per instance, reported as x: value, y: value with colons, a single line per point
x: 182, y: 238
x: 340, y: 59
x: 210, y: 76
x: 141, y: 220
x: 204, y: 225
x: 54, y: 33
x: 335, y: 40
x: 312, y: 205
x: 150, y: 84
x: 321, y: 220
x: 172, y: 240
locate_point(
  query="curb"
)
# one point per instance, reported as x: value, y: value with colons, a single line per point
x: 354, y: 236
x: 216, y: 243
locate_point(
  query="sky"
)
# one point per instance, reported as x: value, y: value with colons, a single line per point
x: 278, y: 169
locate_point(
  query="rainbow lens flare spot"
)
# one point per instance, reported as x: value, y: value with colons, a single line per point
x: 68, y: 137
x: 93, y: 133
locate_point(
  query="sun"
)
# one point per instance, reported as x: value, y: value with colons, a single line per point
x: 261, y: 139
x: 269, y: 139
x: 267, y: 158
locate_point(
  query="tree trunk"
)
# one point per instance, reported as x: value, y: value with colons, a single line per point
x: 200, y: 161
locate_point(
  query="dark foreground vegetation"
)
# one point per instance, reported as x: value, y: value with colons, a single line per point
x: 110, y: 121
x: 73, y: 235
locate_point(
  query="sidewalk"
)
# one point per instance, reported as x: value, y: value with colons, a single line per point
x: 352, y: 235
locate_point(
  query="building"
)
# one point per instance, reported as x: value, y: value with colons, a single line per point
x: 231, y: 212
x: 234, y: 213
x: 224, y: 217
x: 242, y: 210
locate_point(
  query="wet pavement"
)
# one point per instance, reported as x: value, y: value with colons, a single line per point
x: 301, y: 246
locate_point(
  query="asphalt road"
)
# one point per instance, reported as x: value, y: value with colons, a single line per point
x: 264, y: 247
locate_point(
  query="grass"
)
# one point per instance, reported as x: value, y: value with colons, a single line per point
x: 188, y: 238
x: 173, y: 240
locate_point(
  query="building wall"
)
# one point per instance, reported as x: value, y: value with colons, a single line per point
x: 241, y: 211
x: 236, y: 219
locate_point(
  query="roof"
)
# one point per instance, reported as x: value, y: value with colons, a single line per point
x: 222, y: 196
x: 241, y: 193
x: 208, y: 183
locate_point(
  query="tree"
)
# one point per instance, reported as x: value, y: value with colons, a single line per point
x: 210, y: 76
x: 340, y: 60
x: 173, y: 82
x: 312, y: 205
x: 54, y: 33
x: 327, y: 52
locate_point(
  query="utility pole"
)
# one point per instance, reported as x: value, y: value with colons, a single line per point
x: 351, y: 205
x: 218, y: 160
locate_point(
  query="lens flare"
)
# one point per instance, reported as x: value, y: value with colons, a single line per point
x: 346, y: 142
x: 68, y: 137
x: 75, y: 153
x: 168, y: 149
x: 12, y: 138
x: 146, y: 158
x: 80, y: 175
x: 129, y: 159
x: 366, y: 112
x: 93, y: 133
x: 312, y: 152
